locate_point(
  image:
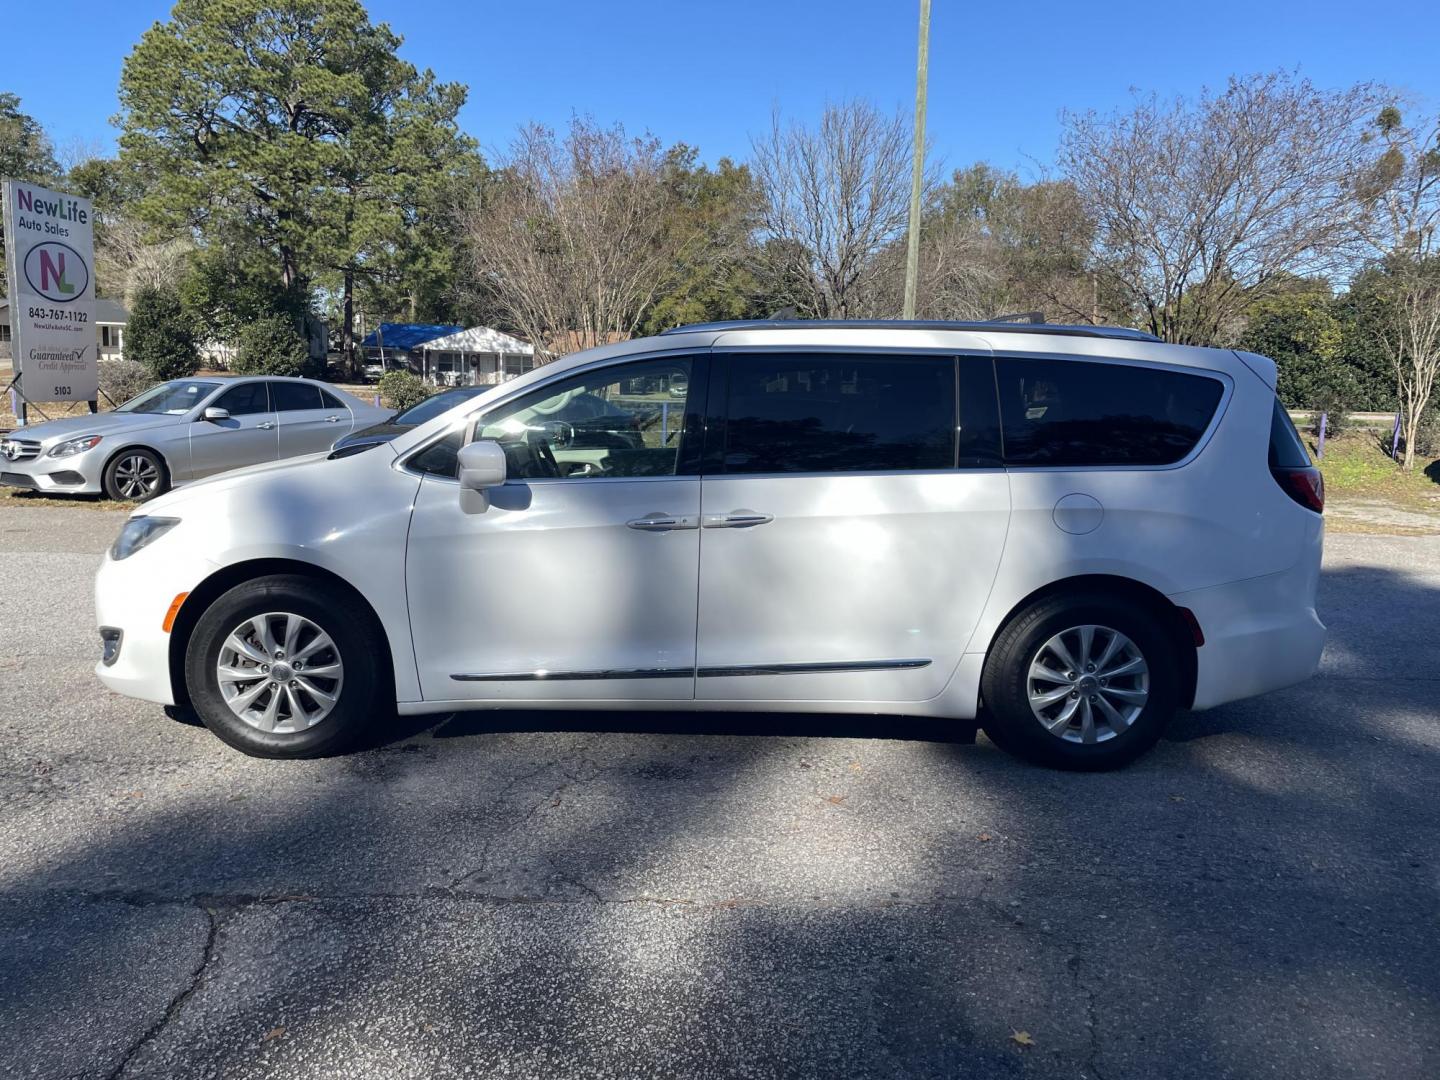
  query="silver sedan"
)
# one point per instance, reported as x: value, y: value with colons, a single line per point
x: 179, y: 431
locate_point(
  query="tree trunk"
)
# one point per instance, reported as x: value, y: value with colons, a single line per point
x: 347, y: 326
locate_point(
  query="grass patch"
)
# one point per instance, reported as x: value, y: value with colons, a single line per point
x: 1356, y: 466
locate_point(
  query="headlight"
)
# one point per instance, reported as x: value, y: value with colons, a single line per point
x: 138, y: 532
x: 74, y: 446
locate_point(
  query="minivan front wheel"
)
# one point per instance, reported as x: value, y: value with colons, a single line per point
x: 1080, y: 682
x: 284, y: 667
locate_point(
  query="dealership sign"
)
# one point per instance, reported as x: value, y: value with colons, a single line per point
x: 49, y: 264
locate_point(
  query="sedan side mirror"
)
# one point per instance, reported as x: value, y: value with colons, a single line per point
x: 214, y: 412
x: 482, y: 466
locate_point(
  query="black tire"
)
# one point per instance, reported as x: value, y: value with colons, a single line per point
x: 134, y: 462
x: 358, y: 641
x: 1008, y: 718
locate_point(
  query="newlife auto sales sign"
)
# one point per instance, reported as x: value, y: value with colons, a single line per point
x: 50, y: 260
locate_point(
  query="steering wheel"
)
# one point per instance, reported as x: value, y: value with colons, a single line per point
x: 545, y: 461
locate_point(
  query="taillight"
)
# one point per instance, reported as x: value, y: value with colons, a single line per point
x: 1305, y: 486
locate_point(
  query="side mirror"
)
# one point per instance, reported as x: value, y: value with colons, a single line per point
x: 482, y: 465
x: 214, y: 412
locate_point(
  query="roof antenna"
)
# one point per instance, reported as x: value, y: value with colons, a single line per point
x: 1020, y: 316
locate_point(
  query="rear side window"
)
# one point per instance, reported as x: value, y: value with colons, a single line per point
x: 1079, y: 413
x: 330, y: 400
x: 843, y: 413
x: 1286, y: 449
x: 294, y: 396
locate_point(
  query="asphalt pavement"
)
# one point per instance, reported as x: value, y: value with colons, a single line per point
x: 569, y: 895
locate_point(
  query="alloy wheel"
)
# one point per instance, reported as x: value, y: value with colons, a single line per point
x: 136, y: 476
x: 1088, y: 684
x: 279, y: 672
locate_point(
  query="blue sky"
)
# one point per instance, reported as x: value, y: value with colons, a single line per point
x: 709, y: 73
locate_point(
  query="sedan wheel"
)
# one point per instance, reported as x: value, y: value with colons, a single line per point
x: 136, y: 475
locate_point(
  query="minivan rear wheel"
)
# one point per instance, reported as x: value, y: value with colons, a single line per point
x: 285, y: 667
x: 1080, y: 681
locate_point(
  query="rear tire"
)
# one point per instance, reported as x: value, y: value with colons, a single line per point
x: 1101, y: 706
x: 136, y: 475
x: 287, y: 667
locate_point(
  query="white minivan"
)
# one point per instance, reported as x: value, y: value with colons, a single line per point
x: 1061, y: 534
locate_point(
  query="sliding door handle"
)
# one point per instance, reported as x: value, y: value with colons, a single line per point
x: 664, y: 522
x: 736, y: 519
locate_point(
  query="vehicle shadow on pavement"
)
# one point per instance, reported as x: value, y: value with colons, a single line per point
x: 554, y: 894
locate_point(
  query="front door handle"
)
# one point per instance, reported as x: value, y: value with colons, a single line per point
x: 736, y: 519
x: 332, y: 419
x: 266, y: 426
x: 658, y: 522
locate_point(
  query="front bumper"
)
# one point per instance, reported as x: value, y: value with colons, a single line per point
x: 78, y: 474
x: 132, y: 598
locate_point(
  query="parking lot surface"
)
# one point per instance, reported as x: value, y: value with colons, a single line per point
x: 568, y: 895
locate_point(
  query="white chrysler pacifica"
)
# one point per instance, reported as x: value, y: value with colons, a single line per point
x: 1063, y: 534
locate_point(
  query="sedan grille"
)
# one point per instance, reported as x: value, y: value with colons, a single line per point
x: 19, y: 449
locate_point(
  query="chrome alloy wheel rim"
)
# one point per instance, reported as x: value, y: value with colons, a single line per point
x: 1088, y: 684
x: 280, y: 672
x: 136, y: 476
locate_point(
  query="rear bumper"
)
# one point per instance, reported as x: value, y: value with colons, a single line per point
x: 1261, y: 634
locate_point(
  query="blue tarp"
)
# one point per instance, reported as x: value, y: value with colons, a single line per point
x: 399, y: 335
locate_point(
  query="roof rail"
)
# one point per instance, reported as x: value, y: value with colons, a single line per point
x: 1056, y: 329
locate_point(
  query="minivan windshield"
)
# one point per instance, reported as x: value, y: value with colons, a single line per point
x: 432, y: 407
x: 171, y: 398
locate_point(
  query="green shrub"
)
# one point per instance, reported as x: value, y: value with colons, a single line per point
x: 270, y: 346
x: 399, y: 390
x: 159, y: 335
x: 121, y: 380
x: 1331, y: 404
x: 1427, y: 435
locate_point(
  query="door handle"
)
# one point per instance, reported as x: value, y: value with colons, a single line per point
x: 736, y: 519
x: 266, y: 426
x: 658, y: 522
x: 332, y: 419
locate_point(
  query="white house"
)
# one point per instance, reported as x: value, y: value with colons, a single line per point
x: 478, y: 356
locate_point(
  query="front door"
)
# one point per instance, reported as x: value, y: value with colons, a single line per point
x: 308, y: 424
x: 578, y: 580
x: 246, y: 437
x: 854, y: 515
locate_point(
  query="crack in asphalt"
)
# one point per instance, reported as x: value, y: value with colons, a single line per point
x: 178, y: 1001
x: 549, y: 797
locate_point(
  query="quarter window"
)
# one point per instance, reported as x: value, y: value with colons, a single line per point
x: 1080, y: 413
x: 839, y: 413
x: 244, y: 400
x: 330, y: 401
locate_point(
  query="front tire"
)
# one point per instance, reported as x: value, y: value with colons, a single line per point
x: 1080, y: 681
x: 136, y: 475
x: 286, y: 667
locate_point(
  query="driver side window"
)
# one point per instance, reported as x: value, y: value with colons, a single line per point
x: 622, y: 421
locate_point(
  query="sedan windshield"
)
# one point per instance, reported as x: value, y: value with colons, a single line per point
x: 171, y: 398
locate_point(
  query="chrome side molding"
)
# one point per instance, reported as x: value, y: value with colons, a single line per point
x: 810, y: 669
x: 822, y: 668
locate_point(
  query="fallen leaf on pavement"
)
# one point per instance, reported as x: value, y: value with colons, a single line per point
x: 835, y: 799
x: 1021, y: 1038
x: 984, y: 838
x: 274, y: 1033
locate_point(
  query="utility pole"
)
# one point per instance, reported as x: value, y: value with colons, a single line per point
x: 917, y: 173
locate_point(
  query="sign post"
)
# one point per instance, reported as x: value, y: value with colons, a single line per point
x: 49, y: 263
